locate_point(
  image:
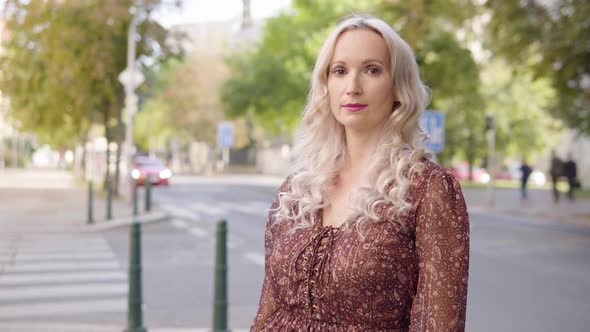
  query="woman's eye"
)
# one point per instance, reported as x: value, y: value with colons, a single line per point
x: 339, y: 71
x: 373, y: 70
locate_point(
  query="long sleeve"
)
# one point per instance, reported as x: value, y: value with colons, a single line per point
x: 442, y: 245
x: 267, y: 303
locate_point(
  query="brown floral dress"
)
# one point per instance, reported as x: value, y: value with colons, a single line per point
x: 397, y: 279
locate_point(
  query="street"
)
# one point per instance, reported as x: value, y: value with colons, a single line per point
x: 525, y: 275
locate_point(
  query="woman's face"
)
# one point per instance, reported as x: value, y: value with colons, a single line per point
x: 360, y: 84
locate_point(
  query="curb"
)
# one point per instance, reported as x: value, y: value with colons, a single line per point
x: 126, y: 221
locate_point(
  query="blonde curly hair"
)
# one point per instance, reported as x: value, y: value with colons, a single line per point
x: 320, y: 143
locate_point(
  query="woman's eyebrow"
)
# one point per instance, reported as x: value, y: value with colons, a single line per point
x: 341, y: 62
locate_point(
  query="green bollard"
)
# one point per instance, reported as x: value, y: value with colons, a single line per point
x: 109, y: 199
x: 220, y: 287
x: 90, y: 203
x: 134, y: 298
x: 148, y: 194
x: 135, y: 198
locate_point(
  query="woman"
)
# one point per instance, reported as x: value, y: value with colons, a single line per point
x: 367, y: 234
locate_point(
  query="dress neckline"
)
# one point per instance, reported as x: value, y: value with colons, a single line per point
x: 320, y: 221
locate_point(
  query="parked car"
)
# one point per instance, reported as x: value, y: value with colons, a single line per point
x: 154, y: 168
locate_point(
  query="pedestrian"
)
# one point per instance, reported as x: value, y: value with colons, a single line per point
x: 571, y: 173
x: 555, y: 172
x: 526, y: 171
x: 367, y: 233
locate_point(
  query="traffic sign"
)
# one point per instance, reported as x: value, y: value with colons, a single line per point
x: 131, y: 77
x: 433, y: 123
x: 225, y: 134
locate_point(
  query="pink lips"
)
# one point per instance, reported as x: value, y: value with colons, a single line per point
x: 353, y: 107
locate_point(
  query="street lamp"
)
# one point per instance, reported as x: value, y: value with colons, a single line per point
x: 131, y: 78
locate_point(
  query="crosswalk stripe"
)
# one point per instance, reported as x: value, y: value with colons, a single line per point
x: 59, y: 243
x: 255, y: 257
x: 208, y: 208
x: 77, y: 327
x: 18, y: 257
x: 49, y: 249
x: 179, y: 223
x: 61, y: 291
x: 61, y: 266
x: 19, y: 279
x: 23, y: 310
x: 198, y: 231
x: 180, y: 212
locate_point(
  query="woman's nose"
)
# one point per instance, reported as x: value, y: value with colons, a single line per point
x: 353, y: 85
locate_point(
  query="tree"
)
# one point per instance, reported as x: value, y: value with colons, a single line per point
x: 551, y: 36
x: 271, y: 80
x: 185, y: 103
x: 520, y: 103
x: 64, y: 87
x: 447, y: 67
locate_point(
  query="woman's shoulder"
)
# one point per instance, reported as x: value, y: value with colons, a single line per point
x: 431, y: 175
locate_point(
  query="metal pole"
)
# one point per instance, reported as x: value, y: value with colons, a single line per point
x: 135, y: 198
x: 491, y: 137
x: 109, y: 198
x: 220, y: 287
x: 135, y: 297
x: 130, y: 98
x: 90, y: 203
x: 148, y: 193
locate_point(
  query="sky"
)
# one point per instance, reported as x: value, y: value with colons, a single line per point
x: 198, y: 11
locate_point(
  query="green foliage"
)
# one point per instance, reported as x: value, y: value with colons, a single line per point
x: 184, y: 102
x: 272, y: 80
x: 519, y: 102
x: 553, y: 37
x: 61, y: 63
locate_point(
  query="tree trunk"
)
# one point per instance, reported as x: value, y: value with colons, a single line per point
x: 84, y: 154
x: 470, y: 153
x: 106, y: 118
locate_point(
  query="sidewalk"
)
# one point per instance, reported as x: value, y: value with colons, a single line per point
x: 30, y: 196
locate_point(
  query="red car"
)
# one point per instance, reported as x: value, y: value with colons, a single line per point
x: 144, y: 167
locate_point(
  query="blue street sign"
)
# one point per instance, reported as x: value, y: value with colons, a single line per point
x: 225, y: 134
x: 433, y: 123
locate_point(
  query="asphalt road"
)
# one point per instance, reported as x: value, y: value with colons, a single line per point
x: 525, y: 275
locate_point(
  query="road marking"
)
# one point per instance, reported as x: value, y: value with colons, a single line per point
x: 208, y: 209
x: 61, y: 291
x: 255, y: 257
x: 181, y: 213
x: 74, y: 266
x: 62, y: 308
x: 198, y: 231
x: 100, y: 255
x: 179, y: 223
x: 18, y: 279
x: 251, y: 207
x: 77, y: 327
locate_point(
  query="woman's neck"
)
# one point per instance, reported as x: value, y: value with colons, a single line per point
x: 360, y: 147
